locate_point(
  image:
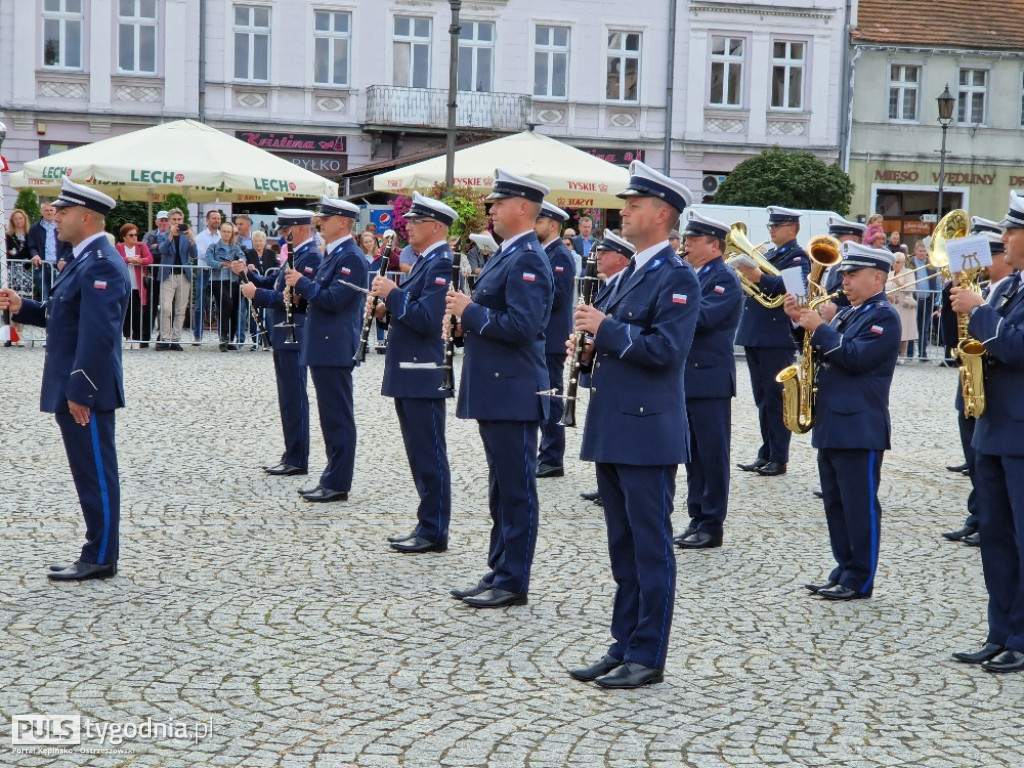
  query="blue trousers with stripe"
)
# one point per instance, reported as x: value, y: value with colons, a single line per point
x: 849, y: 488
x: 764, y: 363
x: 293, y: 402
x: 707, y: 472
x: 92, y: 456
x: 1001, y: 524
x: 511, y: 451
x: 552, y: 443
x: 338, y: 424
x: 966, y: 436
x: 638, y: 515
x: 423, y: 430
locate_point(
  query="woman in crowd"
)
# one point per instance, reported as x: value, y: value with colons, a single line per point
x: 19, y: 274
x: 225, y: 283
x: 138, y: 258
x: 901, y: 295
x: 368, y: 243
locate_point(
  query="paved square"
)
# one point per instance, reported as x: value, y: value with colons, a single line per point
x: 304, y: 641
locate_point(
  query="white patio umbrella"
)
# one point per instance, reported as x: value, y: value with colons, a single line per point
x: 183, y: 156
x: 576, y: 179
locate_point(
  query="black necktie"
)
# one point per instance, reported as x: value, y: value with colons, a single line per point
x: 626, y: 274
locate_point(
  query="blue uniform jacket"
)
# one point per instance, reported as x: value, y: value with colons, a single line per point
x: 503, y: 329
x: 270, y: 293
x: 563, y: 273
x: 763, y: 327
x: 637, y: 410
x: 83, y: 319
x: 711, y: 364
x: 417, y: 314
x: 334, y: 315
x: 1001, y: 329
x: 169, y: 256
x: 856, y: 356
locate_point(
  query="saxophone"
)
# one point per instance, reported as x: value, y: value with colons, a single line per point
x: 971, y: 354
x: 798, y: 386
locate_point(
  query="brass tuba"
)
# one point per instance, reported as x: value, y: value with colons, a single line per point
x: 969, y: 351
x: 737, y: 244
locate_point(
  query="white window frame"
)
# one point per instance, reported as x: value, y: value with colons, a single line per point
x: 789, y: 64
x: 251, y: 32
x: 136, y: 21
x: 965, y: 94
x: 727, y: 61
x: 332, y: 37
x: 623, y: 55
x: 411, y: 40
x: 472, y: 47
x: 550, y: 51
x: 67, y: 21
x: 900, y: 87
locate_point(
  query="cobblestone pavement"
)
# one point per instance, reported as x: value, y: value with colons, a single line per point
x: 292, y: 629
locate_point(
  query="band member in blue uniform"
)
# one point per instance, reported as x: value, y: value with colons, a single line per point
x: 294, y: 224
x: 765, y: 336
x: 82, y: 377
x: 997, y: 274
x: 503, y: 373
x: 636, y: 430
x: 856, y: 356
x: 548, y: 229
x: 843, y: 231
x: 710, y: 382
x: 999, y: 456
x: 334, y: 319
x: 413, y: 368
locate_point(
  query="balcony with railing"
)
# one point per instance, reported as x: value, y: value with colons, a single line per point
x: 426, y: 109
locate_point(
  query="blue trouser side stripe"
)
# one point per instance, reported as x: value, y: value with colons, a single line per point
x: 873, y: 511
x: 104, y: 494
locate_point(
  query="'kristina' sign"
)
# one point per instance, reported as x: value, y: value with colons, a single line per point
x: 293, y: 142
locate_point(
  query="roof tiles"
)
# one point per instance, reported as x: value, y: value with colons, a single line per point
x: 970, y: 24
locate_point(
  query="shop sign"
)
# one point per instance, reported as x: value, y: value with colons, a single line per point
x: 293, y: 142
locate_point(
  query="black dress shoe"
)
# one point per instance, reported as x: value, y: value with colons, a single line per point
x: 284, y: 469
x: 223, y: 346
x: 591, y: 496
x: 177, y: 348
x: 957, y: 468
x: 325, y: 494
x: 305, y: 491
x: 771, y: 469
x: 547, y: 470
x: 479, y: 589
x: 966, y: 473
x: 416, y: 545
x: 839, y: 592
x: 818, y: 494
x: 690, y: 530
x: 818, y: 587
x: 161, y: 347
x: 753, y: 466
x: 631, y: 675
x: 393, y: 539
x: 986, y: 652
x: 700, y: 540
x: 496, y: 598
x: 959, y: 535
x: 82, y: 571
x: 594, y: 671
x: 972, y: 540
x: 1007, y: 661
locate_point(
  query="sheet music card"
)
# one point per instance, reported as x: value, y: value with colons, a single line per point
x: 968, y: 253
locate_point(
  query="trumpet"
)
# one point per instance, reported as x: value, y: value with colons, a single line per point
x: 737, y: 244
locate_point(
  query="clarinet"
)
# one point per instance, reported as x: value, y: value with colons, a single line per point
x: 244, y: 278
x: 371, y: 306
x: 587, y: 292
x: 450, y: 329
x: 289, y: 315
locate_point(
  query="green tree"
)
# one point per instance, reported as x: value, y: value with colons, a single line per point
x: 468, y: 203
x: 175, y: 200
x: 28, y: 201
x: 792, y: 179
x: 128, y: 211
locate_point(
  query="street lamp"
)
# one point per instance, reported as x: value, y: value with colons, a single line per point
x: 945, y: 102
x: 453, y: 86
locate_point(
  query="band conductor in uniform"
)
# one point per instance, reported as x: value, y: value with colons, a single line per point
x: 503, y: 374
x: 295, y: 225
x: 710, y: 382
x: 999, y: 456
x: 548, y: 229
x: 334, y: 317
x: 856, y: 356
x: 416, y: 313
x: 83, y: 382
x: 636, y: 428
x: 765, y: 335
